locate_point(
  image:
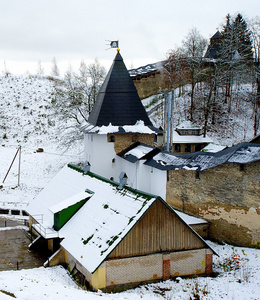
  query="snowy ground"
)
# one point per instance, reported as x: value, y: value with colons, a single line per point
x: 24, y: 122
x: 237, y: 280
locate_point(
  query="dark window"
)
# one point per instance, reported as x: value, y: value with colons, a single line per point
x: 187, y: 147
x: 177, y: 148
x: 112, y: 138
x: 242, y: 167
x: 197, y: 147
x: 197, y: 174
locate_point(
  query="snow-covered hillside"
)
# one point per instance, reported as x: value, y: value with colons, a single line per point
x: 230, y: 128
x: 27, y: 119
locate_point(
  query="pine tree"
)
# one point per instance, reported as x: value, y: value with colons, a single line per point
x: 235, y: 55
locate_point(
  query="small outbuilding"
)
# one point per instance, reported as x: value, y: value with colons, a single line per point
x: 187, y: 138
x: 112, y: 235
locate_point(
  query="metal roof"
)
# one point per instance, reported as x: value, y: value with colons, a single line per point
x: 241, y: 154
x: 118, y: 102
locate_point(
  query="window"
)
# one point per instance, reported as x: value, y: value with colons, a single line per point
x: 177, y: 148
x: 197, y: 147
x: 187, y: 148
x: 112, y: 138
x: 242, y: 167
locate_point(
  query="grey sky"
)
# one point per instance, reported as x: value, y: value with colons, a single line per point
x: 72, y: 30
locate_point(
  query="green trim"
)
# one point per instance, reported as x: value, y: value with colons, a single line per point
x: 63, y: 216
x: 115, y: 184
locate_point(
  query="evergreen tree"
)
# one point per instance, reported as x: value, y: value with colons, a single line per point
x: 235, y: 55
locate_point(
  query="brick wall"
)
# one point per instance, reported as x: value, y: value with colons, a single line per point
x: 187, y: 262
x: 135, y: 269
x: 157, y: 266
x: 226, y: 195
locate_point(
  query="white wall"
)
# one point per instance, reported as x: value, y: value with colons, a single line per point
x: 100, y: 154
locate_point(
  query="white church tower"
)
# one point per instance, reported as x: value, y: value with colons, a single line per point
x: 117, y: 120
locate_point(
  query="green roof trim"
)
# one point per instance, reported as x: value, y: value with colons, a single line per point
x: 63, y: 216
x: 139, y: 193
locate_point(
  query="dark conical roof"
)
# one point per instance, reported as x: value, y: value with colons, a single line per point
x: 118, y: 102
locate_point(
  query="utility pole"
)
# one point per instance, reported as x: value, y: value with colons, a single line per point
x: 19, y: 150
x: 168, y: 110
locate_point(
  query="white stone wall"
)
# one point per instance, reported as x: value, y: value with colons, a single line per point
x: 104, y: 161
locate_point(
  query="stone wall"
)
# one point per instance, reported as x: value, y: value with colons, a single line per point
x: 123, y: 140
x: 226, y: 195
x: 149, y: 85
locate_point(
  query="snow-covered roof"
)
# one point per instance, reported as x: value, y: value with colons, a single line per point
x: 211, y: 147
x: 70, y: 201
x: 137, y: 152
x: 241, y: 154
x: 100, y: 224
x: 198, y: 139
x: 139, y: 127
x: 94, y: 231
x: 190, y: 219
x: 188, y: 125
x: 147, y: 69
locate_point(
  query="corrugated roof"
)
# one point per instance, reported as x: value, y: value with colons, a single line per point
x: 118, y: 102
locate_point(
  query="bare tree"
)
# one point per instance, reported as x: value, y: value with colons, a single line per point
x: 40, y: 69
x: 175, y: 70
x: 55, y: 70
x: 75, y: 96
x: 193, y: 47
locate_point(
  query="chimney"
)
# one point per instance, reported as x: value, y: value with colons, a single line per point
x: 86, y: 167
x: 122, y: 180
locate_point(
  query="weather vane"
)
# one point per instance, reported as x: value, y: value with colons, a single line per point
x: 113, y: 44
